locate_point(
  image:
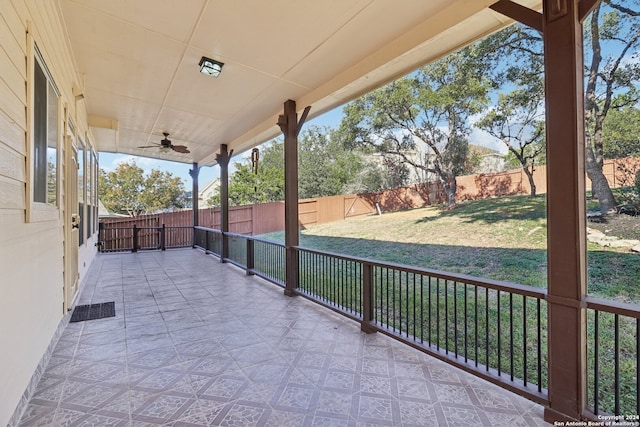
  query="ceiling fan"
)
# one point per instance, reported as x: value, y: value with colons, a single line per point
x: 166, y: 144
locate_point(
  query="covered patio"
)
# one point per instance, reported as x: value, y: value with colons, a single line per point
x: 123, y: 76
x: 197, y: 342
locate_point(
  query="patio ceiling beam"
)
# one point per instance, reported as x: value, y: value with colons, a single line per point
x: 585, y: 7
x: 519, y: 13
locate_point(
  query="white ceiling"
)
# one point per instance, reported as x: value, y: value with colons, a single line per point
x: 138, y: 61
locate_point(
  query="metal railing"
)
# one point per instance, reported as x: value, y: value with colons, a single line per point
x: 613, y: 358
x: 496, y: 330
x: 257, y: 256
x: 208, y: 239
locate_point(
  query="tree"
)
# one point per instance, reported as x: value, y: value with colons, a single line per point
x: 427, y: 110
x: 611, y: 36
x: 127, y: 191
x: 246, y: 187
x: 518, y: 121
x: 621, y: 133
x: 325, y: 167
x: 374, y: 177
x: 517, y: 118
x: 162, y: 191
x: 611, y: 83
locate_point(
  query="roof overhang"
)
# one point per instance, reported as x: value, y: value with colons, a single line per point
x: 138, y: 61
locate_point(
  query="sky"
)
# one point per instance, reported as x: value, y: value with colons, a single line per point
x: 332, y: 118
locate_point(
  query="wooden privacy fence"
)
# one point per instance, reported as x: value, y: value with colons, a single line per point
x: 619, y: 173
x: 263, y: 218
x: 117, y: 233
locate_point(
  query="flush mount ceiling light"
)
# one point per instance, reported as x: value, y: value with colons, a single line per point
x: 210, y: 66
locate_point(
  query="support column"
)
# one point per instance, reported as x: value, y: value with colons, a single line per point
x: 223, y: 161
x: 195, y: 191
x: 290, y: 127
x: 566, y: 215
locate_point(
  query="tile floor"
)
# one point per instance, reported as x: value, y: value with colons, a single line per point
x: 197, y: 343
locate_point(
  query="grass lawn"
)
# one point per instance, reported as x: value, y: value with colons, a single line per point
x: 502, y: 238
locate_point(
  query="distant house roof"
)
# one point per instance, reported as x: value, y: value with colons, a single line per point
x: 208, y: 190
x: 103, y: 212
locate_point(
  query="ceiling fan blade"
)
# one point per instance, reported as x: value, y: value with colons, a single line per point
x: 180, y: 149
x: 148, y: 146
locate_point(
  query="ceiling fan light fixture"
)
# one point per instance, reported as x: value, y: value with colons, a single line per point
x: 210, y: 67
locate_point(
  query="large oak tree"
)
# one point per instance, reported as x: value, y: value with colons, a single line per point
x: 612, y: 35
x: 423, y: 118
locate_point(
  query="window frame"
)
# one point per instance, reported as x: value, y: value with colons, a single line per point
x: 82, y: 147
x: 38, y: 211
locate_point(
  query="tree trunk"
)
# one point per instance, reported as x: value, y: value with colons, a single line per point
x: 599, y: 184
x: 450, y: 187
x: 532, y: 183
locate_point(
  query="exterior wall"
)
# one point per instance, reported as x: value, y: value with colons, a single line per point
x: 209, y: 190
x: 31, y: 247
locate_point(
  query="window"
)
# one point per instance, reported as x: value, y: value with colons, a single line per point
x: 81, y: 188
x: 89, y: 186
x: 45, y: 136
x: 95, y: 192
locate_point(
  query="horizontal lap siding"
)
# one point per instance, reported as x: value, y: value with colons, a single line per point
x: 13, y: 121
x: 31, y: 253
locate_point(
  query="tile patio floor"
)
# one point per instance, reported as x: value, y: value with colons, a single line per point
x: 196, y: 342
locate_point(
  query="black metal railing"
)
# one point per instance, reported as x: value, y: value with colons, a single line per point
x: 208, y: 239
x: 237, y: 249
x: 267, y: 260
x: 332, y: 280
x: 258, y: 256
x: 613, y: 358
x: 496, y: 330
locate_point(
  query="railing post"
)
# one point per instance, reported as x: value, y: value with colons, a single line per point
x: 101, y: 237
x: 163, y: 235
x: 367, y: 299
x: 250, y: 257
x: 224, y: 250
x: 291, y: 271
x: 194, y: 201
x: 135, y: 239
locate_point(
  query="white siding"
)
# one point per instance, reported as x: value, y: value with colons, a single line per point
x: 31, y: 253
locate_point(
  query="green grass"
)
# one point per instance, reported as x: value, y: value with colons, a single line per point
x: 502, y: 239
